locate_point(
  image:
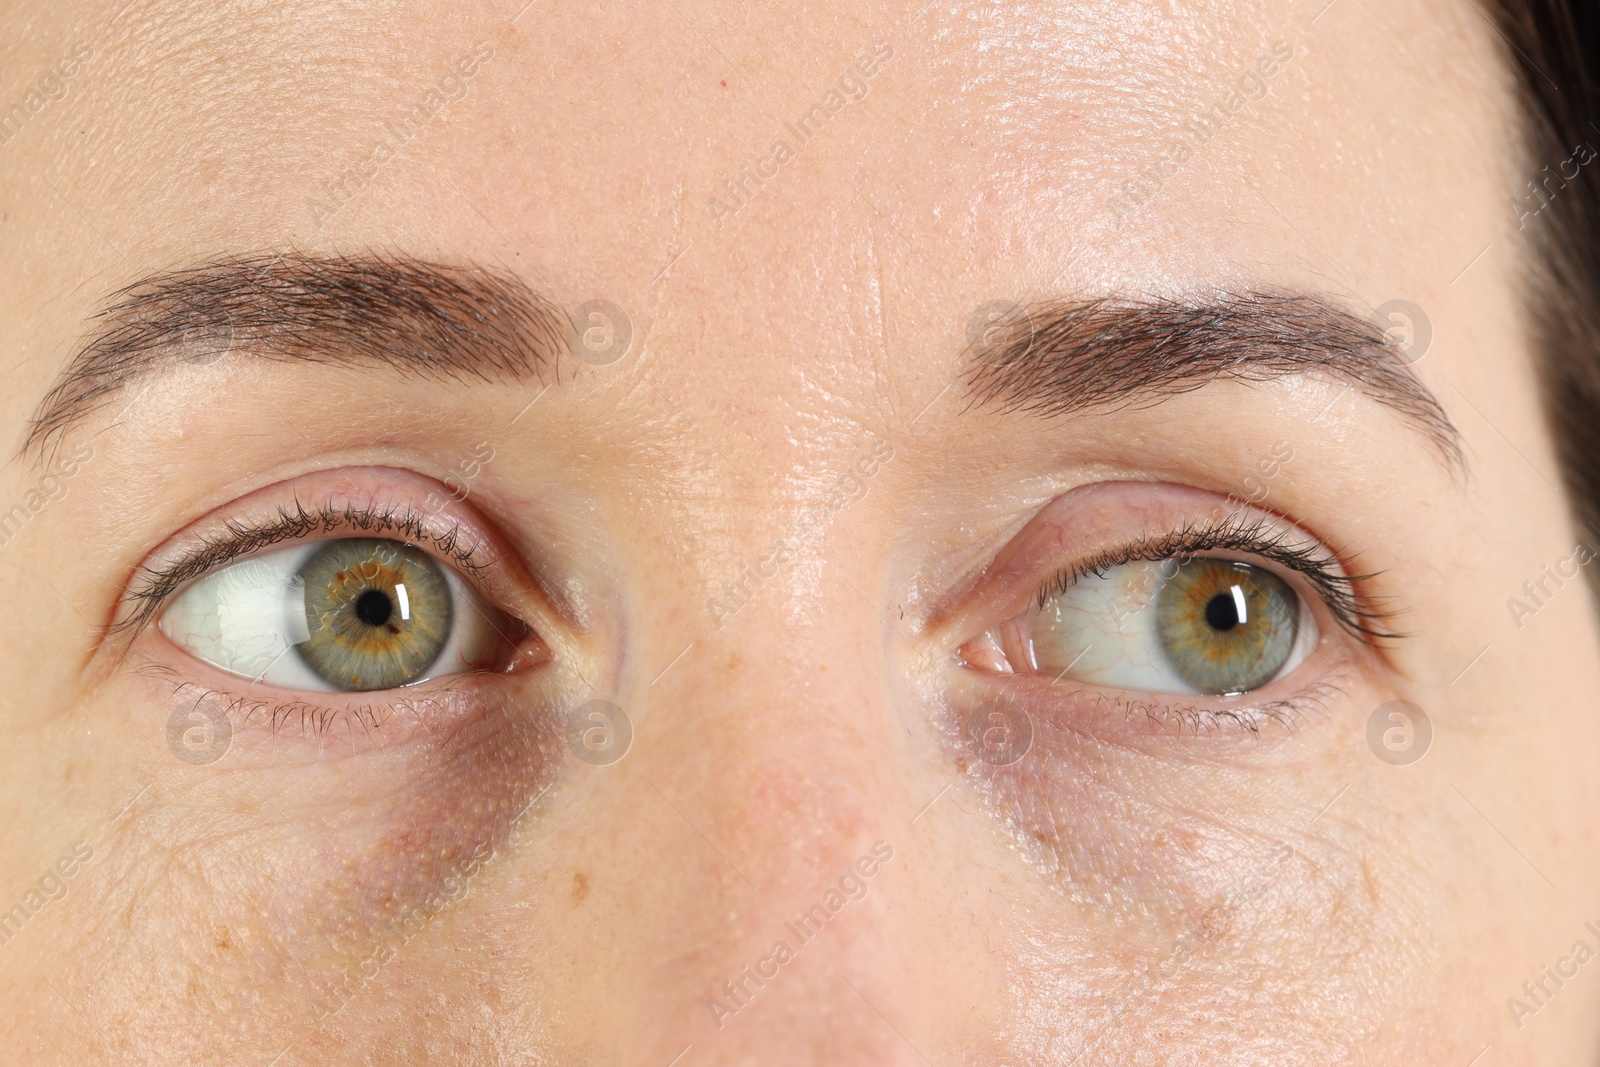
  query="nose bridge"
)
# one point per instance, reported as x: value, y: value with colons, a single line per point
x: 770, y: 750
x: 776, y: 724
x: 772, y: 709
x: 769, y: 763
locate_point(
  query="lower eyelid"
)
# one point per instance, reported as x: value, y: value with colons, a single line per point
x: 1042, y: 708
x: 287, y: 727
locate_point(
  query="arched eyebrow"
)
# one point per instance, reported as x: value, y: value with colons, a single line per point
x: 1061, y: 357
x: 418, y: 317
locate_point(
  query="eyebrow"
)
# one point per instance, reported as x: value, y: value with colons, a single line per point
x: 431, y: 319
x: 1060, y: 358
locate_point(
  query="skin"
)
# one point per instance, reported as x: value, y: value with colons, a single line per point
x: 1355, y: 911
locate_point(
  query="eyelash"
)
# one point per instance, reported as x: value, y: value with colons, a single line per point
x: 314, y: 719
x: 1251, y: 718
x: 157, y: 585
x: 1258, y: 536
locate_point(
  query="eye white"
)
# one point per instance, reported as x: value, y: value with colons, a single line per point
x: 1103, y: 629
x: 247, y: 617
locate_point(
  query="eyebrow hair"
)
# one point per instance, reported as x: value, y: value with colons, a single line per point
x: 1060, y: 357
x: 432, y: 319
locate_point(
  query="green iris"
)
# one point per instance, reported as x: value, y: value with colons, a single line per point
x: 1226, y: 627
x: 378, y: 612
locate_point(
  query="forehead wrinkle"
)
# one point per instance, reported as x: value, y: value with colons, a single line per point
x: 435, y: 320
x: 1059, y: 358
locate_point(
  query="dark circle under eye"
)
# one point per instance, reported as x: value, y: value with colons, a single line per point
x: 378, y: 613
x: 1226, y: 627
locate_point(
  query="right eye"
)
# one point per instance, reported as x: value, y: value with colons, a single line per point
x: 349, y: 614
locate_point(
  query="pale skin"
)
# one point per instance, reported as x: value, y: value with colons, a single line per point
x: 1353, y: 911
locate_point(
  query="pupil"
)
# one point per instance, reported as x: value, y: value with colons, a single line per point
x: 374, y: 609
x: 1221, y: 614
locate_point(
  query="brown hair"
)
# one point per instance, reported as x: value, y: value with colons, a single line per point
x: 1554, y: 47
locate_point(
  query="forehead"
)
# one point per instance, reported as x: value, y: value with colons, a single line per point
x: 806, y: 179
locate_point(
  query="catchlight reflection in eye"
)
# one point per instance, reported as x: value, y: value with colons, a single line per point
x: 352, y: 614
x: 1199, y: 625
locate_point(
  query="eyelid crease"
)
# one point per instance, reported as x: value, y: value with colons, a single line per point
x: 1358, y: 613
x: 157, y: 585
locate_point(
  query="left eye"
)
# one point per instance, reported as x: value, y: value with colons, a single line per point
x: 1197, y: 625
x: 352, y: 614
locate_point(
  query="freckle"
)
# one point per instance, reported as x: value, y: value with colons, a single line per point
x: 735, y: 661
x: 223, y: 944
x: 580, y: 887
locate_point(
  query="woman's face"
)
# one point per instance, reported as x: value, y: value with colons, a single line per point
x: 841, y: 534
